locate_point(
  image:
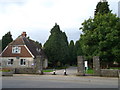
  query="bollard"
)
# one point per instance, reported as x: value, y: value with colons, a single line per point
x: 65, y: 72
x: 118, y: 79
x: 54, y: 72
x: 119, y: 74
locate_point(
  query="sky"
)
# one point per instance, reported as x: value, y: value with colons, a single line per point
x: 37, y: 17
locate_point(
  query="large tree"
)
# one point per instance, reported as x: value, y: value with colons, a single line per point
x: 72, y: 53
x: 6, y: 39
x: 78, y: 48
x: 102, y: 7
x: 101, y: 37
x: 0, y: 46
x: 56, y: 47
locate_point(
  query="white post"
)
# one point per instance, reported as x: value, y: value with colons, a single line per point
x: 54, y: 72
x: 86, y: 65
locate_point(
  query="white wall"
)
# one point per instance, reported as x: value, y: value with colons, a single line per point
x: 16, y: 63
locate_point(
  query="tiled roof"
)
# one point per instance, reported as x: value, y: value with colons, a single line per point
x: 31, y: 45
x: 18, y: 41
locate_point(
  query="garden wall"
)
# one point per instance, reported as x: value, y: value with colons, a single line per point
x: 110, y: 72
x: 25, y: 71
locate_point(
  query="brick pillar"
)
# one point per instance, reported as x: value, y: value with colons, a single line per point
x: 39, y: 64
x: 96, y: 65
x: 81, y: 69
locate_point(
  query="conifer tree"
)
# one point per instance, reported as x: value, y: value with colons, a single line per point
x: 72, y: 53
x: 6, y: 39
x: 56, y: 47
x: 102, y: 8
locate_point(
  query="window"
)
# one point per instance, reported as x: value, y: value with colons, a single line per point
x: 10, y: 62
x: 16, y: 49
x: 22, y: 62
x: 38, y: 50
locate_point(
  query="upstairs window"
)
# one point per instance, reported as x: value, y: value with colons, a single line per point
x: 38, y: 50
x: 22, y: 61
x: 16, y: 49
x: 10, y: 62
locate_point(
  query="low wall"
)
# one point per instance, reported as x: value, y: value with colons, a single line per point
x: 25, y: 71
x: 110, y: 72
x: 7, y: 73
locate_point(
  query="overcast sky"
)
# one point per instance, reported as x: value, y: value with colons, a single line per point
x: 37, y: 17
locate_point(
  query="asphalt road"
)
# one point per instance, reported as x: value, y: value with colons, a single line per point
x: 58, y: 81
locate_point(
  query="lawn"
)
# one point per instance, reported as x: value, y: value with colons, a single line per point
x: 115, y: 68
x: 47, y: 70
x: 89, y: 71
x: 5, y: 69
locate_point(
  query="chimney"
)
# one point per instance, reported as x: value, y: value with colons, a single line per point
x: 24, y: 34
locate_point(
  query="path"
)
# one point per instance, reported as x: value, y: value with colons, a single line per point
x: 70, y: 71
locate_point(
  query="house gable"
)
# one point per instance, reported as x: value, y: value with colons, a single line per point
x: 24, y: 52
x: 28, y: 48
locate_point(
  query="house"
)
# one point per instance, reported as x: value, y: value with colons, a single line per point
x: 22, y: 53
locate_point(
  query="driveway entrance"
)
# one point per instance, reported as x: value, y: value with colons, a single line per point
x: 69, y: 71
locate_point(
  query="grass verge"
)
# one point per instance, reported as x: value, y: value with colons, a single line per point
x: 47, y: 70
x: 89, y: 71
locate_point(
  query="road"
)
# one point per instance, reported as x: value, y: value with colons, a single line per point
x: 58, y: 81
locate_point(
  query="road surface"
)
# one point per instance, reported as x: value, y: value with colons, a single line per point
x: 58, y: 81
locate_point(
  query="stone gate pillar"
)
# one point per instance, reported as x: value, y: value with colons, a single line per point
x: 96, y: 65
x: 80, y: 63
x: 39, y: 64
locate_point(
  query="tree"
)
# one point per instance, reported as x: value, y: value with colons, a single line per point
x: 101, y: 37
x: 38, y: 44
x: 0, y: 46
x: 78, y: 49
x: 102, y: 8
x: 72, y: 53
x: 56, y: 47
x: 6, y: 39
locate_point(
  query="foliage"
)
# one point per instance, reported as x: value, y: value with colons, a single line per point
x: 56, y: 47
x: 47, y: 70
x: 90, y: 71
x: 0, y: 45
x: 78, y: 49
x: 101, y: 37
x: 6, y: 39
x: 115, y: 68
x: 74, y: 51
x: 5, y: 69
x: 72, y: 55
x: 102, y: 8
x: 38, y: 44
